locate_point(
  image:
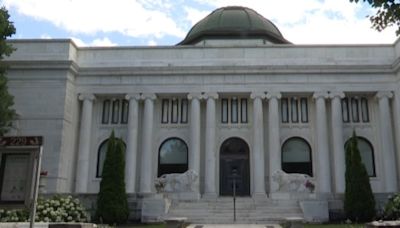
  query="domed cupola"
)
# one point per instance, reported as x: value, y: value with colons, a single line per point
x: 234, y: 22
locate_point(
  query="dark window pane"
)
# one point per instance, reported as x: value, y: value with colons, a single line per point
x: 164, y: 111
x: 354, y: 110
x: 106, y: 112
x: 284, y: 110
x: 296, y: 156
x: 184, y: 111
x: 304, y: 110
x: 345, y: 110
x: 367, y: 155
x: 364, y: 110
x: 115, y: 112
x: 173, y: 157
x: 125, y: 110
x: 234, y: 110
x: 101, y: 156
x: 224, y: 110
x: 294, y: 110
x: 243, y: 110
x: 174, y: 111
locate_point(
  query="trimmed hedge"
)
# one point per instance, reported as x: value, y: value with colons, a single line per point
x: 359, y: 202
x: 112, y: 204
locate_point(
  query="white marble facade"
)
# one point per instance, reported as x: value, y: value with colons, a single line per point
x: 60, y: 91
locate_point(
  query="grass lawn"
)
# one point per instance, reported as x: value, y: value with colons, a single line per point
x: 334, y: 225
x: 306, y: 226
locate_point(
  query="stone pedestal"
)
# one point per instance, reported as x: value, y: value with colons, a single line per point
x: 154, y: 209
x: 315, y: 211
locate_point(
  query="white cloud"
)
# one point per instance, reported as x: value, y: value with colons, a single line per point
x: 90, y: 16
x: 102, y: 42
x: 45, y: 36
x: 152, y: 43
x: 194, y: 15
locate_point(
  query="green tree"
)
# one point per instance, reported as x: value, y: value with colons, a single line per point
x: 359, y: 202
x: 7, y: 114
x: 388, y: 14
x: 112, y: 204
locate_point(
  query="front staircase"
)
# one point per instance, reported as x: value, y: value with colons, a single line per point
x: 248, y: 210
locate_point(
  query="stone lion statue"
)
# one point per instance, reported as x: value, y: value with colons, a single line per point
x: 293, y: 182
x: 177, y: 182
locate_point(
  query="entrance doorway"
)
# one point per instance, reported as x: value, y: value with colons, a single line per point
x: 234, y: 167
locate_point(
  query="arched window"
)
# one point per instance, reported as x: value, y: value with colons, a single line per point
x: 173, y: 157
x: 296, y: 156
x: 367, y: 155
x: 101, y: 156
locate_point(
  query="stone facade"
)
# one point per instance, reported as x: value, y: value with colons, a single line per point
x: 61, y: 93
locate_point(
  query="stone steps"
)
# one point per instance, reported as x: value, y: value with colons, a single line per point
x: 248, y: 210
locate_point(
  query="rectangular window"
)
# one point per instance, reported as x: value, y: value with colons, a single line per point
x: 284, y: 110
x: 345, y: 110
x: 234, y: 110
x: 294, y: 110
x: 125, y: 110
x: 364, y: 110
x: 304, y: 110
x: 164, y: 111
x: 354, y: 110
x: 106, y: 112
x: 224, y: 110
x: 115, y: 112
x: 243, y: 110
x: 184, y: 111
x: 174, y: 111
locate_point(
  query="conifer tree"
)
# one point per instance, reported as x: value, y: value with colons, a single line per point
x: 7, y: 113
x: 359, y: 202
x: 112, y: 205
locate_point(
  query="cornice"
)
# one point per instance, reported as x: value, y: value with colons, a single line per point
x: 43, y: 65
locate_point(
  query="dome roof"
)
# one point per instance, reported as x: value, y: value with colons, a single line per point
x: 234, y: 22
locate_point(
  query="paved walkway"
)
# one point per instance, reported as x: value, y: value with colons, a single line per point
x: 234, y: 226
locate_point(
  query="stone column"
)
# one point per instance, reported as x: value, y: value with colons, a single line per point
x: 396, y: 118
x: 274, y: 141
x: 210, y: 163
x: 337, y: 141
x: 195, y: 127
x: 131, y: 143
x: 258, y: 145
x: 82, y: 172
x: 146, y: 169
x: 323, y: 161
x: 385, y: 126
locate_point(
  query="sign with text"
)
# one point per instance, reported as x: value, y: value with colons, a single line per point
x: 18, y: 168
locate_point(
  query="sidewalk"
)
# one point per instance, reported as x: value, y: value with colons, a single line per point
x: 234, y: 226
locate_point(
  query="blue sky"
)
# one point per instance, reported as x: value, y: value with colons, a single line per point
x: 166, y: 22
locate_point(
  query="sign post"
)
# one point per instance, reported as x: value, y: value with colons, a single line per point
x: 26, y: 152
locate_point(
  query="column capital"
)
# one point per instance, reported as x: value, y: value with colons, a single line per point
x: 273, y: 94
x: 333, y: 94
x: 321, y: 94
x: 212, y: 95
x: 383, y: 94
x: 258, y: 94
x: 150, y: 96
x: 86, y: 96
x: 197, y: 96
x: 130, y: 96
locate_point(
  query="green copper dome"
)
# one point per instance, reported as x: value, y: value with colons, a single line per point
x: 234, y: 22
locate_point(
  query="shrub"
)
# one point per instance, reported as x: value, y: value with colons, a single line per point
x: 392, y: 208
x: 359, y: 202
x: 112, y: 204
x: 61, y: 209
x: 55, y: 209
